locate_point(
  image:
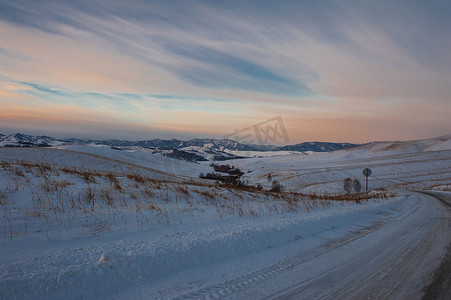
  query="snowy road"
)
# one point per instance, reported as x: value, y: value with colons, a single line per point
x: 396, y: 259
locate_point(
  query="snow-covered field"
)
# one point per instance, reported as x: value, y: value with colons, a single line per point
x: 88, y: 221
x: 418, y: 165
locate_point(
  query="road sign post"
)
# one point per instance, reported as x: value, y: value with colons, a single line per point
x: 367, y: 173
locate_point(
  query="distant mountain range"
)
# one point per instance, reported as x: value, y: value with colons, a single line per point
x: 24, y: 140
x: 317, y: 147
x: 194, y: 145
x: 213, y: 144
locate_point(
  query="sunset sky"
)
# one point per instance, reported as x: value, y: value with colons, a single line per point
x: 339, y: 71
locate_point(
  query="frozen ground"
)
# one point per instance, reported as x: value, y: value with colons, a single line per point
x: 91, y: 222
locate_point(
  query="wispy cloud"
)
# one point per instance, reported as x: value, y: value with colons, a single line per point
x: 46, y: 91
x: 237, y: 61
x: 217, y: 69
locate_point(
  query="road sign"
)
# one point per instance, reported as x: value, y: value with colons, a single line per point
x: 367, y: 172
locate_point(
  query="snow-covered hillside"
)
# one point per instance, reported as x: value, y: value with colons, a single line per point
x: 422, y: 164
x: 417, y: 164
x: 91, y: 221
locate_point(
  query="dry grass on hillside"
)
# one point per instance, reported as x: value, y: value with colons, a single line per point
x: 99, y: 201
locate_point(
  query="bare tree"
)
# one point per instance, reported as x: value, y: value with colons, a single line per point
x: 276, y: 187
x: 347, y: 185
x: 357, y: 185
x: 269, y: 178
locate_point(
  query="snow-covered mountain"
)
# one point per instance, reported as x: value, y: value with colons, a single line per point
x: 225, y: 149
x: 209, y: 146
x: 24, y: 140
x: 212, y: 144
x: 316, y: 147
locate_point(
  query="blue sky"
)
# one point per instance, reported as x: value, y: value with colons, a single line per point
x: 334, y: 70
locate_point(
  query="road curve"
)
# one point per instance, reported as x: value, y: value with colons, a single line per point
x: 404, y: 258
x: 397, y: 261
